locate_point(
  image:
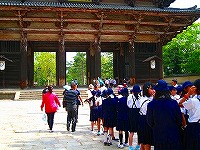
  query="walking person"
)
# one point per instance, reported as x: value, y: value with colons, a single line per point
x: 93, y: 109
x: 191, y: 101
x: 164, y: 117
x: 123, y: 118
x: 99, y: 100
x: 133, y: 103
x: 50, y: 102
x: 69, y: 101
x: 145, y: 133
x: 109, y: 114
x: 79, y: 100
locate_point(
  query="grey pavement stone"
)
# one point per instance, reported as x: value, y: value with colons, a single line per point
x: 22, y: 128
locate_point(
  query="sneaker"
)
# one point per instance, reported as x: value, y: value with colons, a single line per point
x: 50, y: 131
x: 109, y: 143
x: 105, y: 143
x: 126, y: 144
x: 98, y: 133
x: 120, y: 146
x: 137, y: 147
x: 115, y: 139
x: 131, y: 148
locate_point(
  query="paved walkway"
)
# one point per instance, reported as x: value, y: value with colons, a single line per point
x: 22, y: 128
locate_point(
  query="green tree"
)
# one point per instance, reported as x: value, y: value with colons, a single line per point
x: 106, y: 65
x: 77, y: 69
x: 182, y: 54
x: 44, y: 68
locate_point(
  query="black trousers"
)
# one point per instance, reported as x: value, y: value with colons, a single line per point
x: 50, y: 119
x: 72, y: 118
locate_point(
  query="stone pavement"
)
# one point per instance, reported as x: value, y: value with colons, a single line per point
x: 22, y: 128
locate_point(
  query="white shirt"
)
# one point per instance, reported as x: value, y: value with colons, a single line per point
x: 132, y: 102
x: 103, y: 88
x: 99, y: 100
x: 175, y: 97
x: 89, y: 93
x: 193, y: 107
x: 143, y: 104
x: 119, y: 96
x: 183, y: 110
x: 176, y: 85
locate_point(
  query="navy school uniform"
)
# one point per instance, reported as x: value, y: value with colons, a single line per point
x: 109, y: 111
x: 192, y: 131
x: 122, y: 115
x: 145, y: 133
x: 93, y: 109
x: 134, y: 108
x: 100, y: 110
x: 164, y: 117
x: 99, y: 101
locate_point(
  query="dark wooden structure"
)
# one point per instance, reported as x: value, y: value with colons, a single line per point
x: 132, y: 29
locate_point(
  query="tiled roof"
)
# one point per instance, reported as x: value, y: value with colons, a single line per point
x: 94, y: 6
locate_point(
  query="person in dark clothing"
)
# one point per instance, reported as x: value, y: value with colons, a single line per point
x: 122, y: 117
x: 164, y: 117
x: 70, y: 97
x: 109, y: 105
x: 191, y: 101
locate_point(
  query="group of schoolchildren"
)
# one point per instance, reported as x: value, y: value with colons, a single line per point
x: 163, y: 116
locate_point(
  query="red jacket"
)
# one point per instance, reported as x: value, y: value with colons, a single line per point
x: 50, y: 101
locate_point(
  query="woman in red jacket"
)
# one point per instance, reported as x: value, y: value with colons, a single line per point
x: 51, y: 102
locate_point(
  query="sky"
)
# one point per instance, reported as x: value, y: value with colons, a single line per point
x: 176, y: 4
x: 185, y: 3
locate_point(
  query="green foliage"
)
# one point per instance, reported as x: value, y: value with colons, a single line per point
x: 106, y: 65
x: 44, y: 68
x: 77, y: 69
x: 182, y: 54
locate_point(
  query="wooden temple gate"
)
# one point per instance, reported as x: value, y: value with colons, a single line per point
x: 133, y: 30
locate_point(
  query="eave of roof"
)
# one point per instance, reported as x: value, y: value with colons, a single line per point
x: 100, y: 6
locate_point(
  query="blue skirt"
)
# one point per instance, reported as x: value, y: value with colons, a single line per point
x: 94, y: 114
x: 145, y: 132
x: 110, y: 122
x: 100, y: 112
x: 134, y: 119
x: 122, y: 125
x: 192, y: 137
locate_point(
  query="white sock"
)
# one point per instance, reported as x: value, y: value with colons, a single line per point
x: 105, y: 134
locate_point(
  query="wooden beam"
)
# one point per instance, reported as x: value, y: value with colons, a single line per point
x: 123, y: 22
x: 80, y: 31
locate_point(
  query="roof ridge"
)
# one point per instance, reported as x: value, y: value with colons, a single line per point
x: 95, y: 6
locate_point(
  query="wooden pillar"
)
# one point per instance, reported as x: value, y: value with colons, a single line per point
x: 30, y: 59
x: 93, y: 61
x: 131, y: 60
x: 88, y: 67
x: 61, y: 63
x: 23, y: 50
x: 159, y: 53
x: 119, y: 64
x: 97, y: 66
